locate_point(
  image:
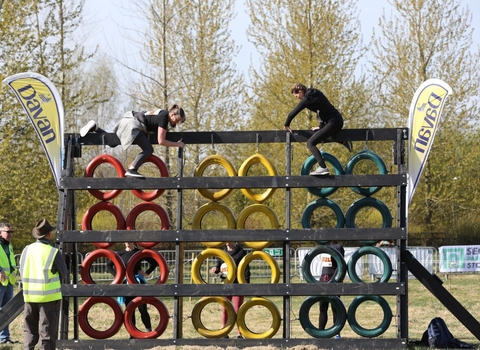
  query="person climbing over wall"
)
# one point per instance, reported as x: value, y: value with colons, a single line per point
x: 331, y: 121
x: 133, y: 128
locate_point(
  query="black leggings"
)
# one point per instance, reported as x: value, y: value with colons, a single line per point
x: 147, y: 150
x: 330, y: 128
x: 143, y: 314
x: 323, y: 317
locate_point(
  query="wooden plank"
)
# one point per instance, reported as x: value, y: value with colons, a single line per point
x: 434, y: 285
x: 251, y: 289
x: 12, y: 309
x: 321, y: 343
x: 353, y: 234
x: 230, y: 137
x: 93, y: 183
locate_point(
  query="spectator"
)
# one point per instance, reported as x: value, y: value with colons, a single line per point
x: 43, y: 270
x: 7, y: 274
x: 125, y: 254
x: 237, y: 253
x: 329, y: 268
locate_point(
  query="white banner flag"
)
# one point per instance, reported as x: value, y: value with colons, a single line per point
x: 42, y: 102
x: 423, y: 120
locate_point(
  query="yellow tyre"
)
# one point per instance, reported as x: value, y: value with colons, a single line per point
x: 276, y: 319
x: 212, y: 160
x: 257, y: 158
x: 206, y: 208
x: 254, y: 208
x: 197, y: 319
x: 258, y: 254
x: 209, y: 253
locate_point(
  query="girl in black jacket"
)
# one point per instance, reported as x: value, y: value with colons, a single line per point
x: 330, y: 119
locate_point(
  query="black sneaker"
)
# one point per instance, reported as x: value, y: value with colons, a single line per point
x: 8, y: 341
x: 348, y: 144
x: 239, y: 336
x: 134, y: 173
x: 90, y: 126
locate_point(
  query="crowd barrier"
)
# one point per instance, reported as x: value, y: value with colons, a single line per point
x: 369, y: 265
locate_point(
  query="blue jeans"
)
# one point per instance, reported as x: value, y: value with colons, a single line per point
x: 6, y: 294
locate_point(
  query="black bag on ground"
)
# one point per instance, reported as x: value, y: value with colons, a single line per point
x: 438, y: 336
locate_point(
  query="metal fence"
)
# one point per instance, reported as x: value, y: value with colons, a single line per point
x: 368, y: 266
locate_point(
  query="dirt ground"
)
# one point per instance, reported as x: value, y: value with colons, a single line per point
x: 300, y: 347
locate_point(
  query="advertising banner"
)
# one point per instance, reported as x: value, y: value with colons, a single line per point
x: 423, y: 120
x: 43, y: 105
x: 460, y: 258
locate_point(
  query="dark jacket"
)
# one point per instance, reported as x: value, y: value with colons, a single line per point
x: 237, y: 255
x: 317, y: 102
x: 125, y: 255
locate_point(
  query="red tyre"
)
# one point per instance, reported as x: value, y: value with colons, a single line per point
x: 93, y: 210
x: 90, y: 169
x: 88, y: 329
x: 98, y: 253
x: 140, y: 208
x: 147, y: 253
x: 134, y: 331
x: 150, y: 196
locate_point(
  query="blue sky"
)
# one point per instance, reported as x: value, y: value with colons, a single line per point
x: 112, y: 18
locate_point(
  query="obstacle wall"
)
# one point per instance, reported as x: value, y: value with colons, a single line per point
x: 277, y: 180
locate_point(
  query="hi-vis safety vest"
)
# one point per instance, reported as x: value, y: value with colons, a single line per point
x: 40, y: 285
x: 5, y: 265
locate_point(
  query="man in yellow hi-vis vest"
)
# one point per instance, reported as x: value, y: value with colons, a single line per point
x: 7, y: 274
x: 43, y: 270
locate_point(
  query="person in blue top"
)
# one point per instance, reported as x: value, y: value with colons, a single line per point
x: 125, y: 254
x: 134, y: 127
x: 330, y: 119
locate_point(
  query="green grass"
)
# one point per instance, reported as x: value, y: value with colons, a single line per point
x: 421, y: 303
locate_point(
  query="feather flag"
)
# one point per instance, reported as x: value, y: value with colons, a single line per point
x: 42, y: 103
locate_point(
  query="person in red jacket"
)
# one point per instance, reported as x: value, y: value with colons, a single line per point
x: 330, y: 119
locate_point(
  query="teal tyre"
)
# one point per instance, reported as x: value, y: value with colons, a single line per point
x: 361, y: 203
x: 314, y: 331
x: 319, y: 249
x: 323, y: 202
x: 373, y: 332
x: 387, y: 264
x: 365, y: 155
x: 307, y: 168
